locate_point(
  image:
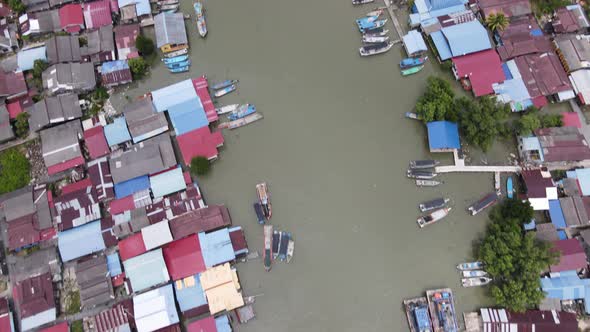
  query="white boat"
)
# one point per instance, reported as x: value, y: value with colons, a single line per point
x: 470, y: 266
x: 169, y: 7
x: 361, y: 2
x: 428, y: 183
x: 376, y: 33
x: 290, y: 250
x: 375, y: 49
x: 374, y: 40
x: 241, y: 122
x: 474, y: 282
x: 168, y: 2
x: 176, y: 53
x: 376, y: 12
x: 433, y: 217
x: 474, y: 273
x: 226, y: 109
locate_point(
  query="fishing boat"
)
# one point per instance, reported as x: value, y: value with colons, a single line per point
x: 276, y: 240
x: 411, y: 71
x: 180, y: 58
x: 170, y: 7
x: 412, y: 115
x: 179, y: 69
x: 433, y: 217
x: 176, y: 53
x: 267, y: 246
x: 485, y: 202
x: 264, y: 199
x: 226, y: 109
x: 420, y: 174
x: 412, y: 62
x: 179, y: 64
x: 509, y: 188
x: 366, y: 20
x: 417, y: 314
x: 170, y: 11
x: 361, y: 2
x: 474, y: 273
x: 223, y: 84
x: 474, y: 282
x: 434, y: 204
x: 375, y: 49
x: 470, y: 266
x: 241, y: 122
x: 368, y: 26
x: 442, y: 310
x: 290, y: 250
x: 374, y: 40
x: 376, y: 33
x: 168, y: 2
x: 428, y: 183
x: 201, y: 23
x: 259, y: 214
x: 224, y: 91
x: 422, y: 164
x: 377, y: 12
x: 285, y: 237
x: 242, y: 111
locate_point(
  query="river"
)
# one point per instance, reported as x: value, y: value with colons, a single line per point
x: 334, y: 147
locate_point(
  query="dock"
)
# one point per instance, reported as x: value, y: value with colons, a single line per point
x: 460, y: 166
x: 398, y: 27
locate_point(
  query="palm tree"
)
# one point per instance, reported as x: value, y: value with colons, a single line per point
x: 497, y: 21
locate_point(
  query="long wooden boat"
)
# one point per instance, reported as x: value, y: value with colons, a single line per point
x: 442, y: 310
x: 473, y: 273
x: 361, y: 2
x: 375, y: 49
x: 470, y: 266
x: 412, y: 62
x: 417, y: 314
x: 224, y: 91
x: 223, y: 84
x: 485, y: 202
x: 412, y: 71
x: 241, y: 122
x: 169, y: 7
x: 226, y: 109
x: 434, y: 204
x: 428, y: 183
x: 259, y: 214
x: 242, y: 112
x: 290, y: 250
x: 264, y: 199
x: 509, y: 188
x: 475, y: 282
x: 285, y: 237
x: 420, y: 174
x: 433, y: 217
x: 423, y: 164
x: 374, y: 40
x: 276, y: 241
x: 179, y: 64
x: 201, y: 23
x: 176, y: 53
x: 267, y: 247
x: 179, y: 69
x: 180, y: 58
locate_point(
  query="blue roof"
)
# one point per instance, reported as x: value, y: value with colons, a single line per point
x: 442, y: 47
x: 188, y: 116
x: 467, y: 38
x: 418, y: 18
x: 556, y: 214
x: 117, y: 132
x: 80, y: 241
x: 114, y: 264
x: 506, y: 71
x: 142, y: 7
x: 513, y: 91
x: 530, y: 226
x: 222, y: 324
x: 532, y: 144
x: 414, y: 43
x: 132, y: 186
x: 146, y: 270
x: 571, y: 174
x: 189, y: 295
x: 112, y: 66
x: 174, y: 94
x: 443, y: 135
x: 583, y: 176
x: 25, y: 59
x: 167, y: 183
x: 216, y: 247
x: 567, y: 285
x: 562, y: 235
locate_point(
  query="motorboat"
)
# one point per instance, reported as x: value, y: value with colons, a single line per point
x: 412, y: 62
x: 180, y: 58
x: 420, y: 174
x: 422, y: 164
x: 377, y: 12
x: 361, y: 2
x: 374, y: 40
x: 226, y: 109
x: 474, y: 273
x: 242, y: 111
x: 376, y: 33
x: 433, y: 217
x: 201, y: 23
x: 176, y: 53
x: 290, y: 250
x: 179, y: 69
x: 224, y: 91
x: 474, y: 282
x: 179, y: 64
x: 485, y: 202
x: 434, y: 204
x: 412, y: 71
x: 509, y: 188
x: 223, y: 84
x: 241, y: 122
x: 375, y: 49
x: 470, y: 266
x: 428, y: 183
x: 368, y: 26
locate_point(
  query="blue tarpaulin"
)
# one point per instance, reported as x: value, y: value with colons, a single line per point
x: 443, y: 135
x: 132, y: 186
x: 556, y: 214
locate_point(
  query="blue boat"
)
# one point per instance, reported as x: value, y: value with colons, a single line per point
x: 178, y: 64
x: 367, y: 19
x: 259, y: 214
x: 225, y: 91
x: 223, y: 84
x: 179, y: 69
x: 283, y: 245
x: 366, y: 26
x: 412, y: 62
x: 242, y: 112
x: 175, y: 59
x: 509, y: 188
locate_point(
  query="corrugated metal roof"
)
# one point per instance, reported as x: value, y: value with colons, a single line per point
x: 443, y: 135
x: 96, y: 142
x: 199, y: 142
x: 187, y: 116
x: 414, y: 43
x: 155, y: 309
x: 129, y: 187
x: 583, y: 176
x: 114, y: 264
x: 206, y: 324
x: 170, y: 29
x: 189, y: 293
x: 167, y: 182
x: 142, y: 7
x: 146, y: 270
x: 26, y: 58
x: 216, y: 247
x: 183, y: 257
x: 156, y: 235
x: 222, y: 324
x: 556, y: 214
x: 131, y: 246
x: 567, y: 285
x: 97, y: 14
x: 442, y: 46
x: 80, y: 241
x: 466, y: 38
x: 174, y: 94
x: 116, y: 132
x: 483, y: 69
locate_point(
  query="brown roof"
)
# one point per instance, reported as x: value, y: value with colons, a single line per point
x: 546, y: 232
x: 536, y: 184
x: 94, y: 281
x: 108, y: 320
x: 542, y: 74
x: 531, y: 320
x: 566, y: 20
x: 201, y: 220
x: 34, y: 295
x: 563, y: 144
x: 12, y: 84
x: 508, y: 7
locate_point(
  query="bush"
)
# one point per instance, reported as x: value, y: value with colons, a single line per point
x: 17, y: 6
x: 551, y: 120
x: 144, y: 45
x: 481, y: 120
x: 77, y: 326
x: 138, y: 68
x: 38, y: 67
x: 73, y: 306
x: 200, y: 165
x: 528, y: 123
x: 438, y: 99
x: 14, y: 171
x: 22, y: 125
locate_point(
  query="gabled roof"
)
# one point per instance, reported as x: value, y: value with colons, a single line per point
x: 80, y: 241
x: 572, y: 257
x: 190, y: 294
x: 34, y: 298
x: 184, y: 258
x: 116, y: 132
x: 483, y: 70
x: 509, y: 8
x: 93, y: 278
x: 64, y: 77
x: 145, y: 271
x: 466, y: 38
x: 63, y: 49
x: 51, y: 110
x: 443, y: 135
x: 115, y: 73
x: 101, y: 45
x: 71, y: 18
x: 96, y: 142
x: 201, y: 86
x: 131, y: 246
x: 543, y: 74
x: 143, y: 121
x: 132, y: 186
x: 97, y: 14
x: 199, y: 142
x: 201, y: 220
x: 574, y: 51
x: 216, y: 247
x: 168, y: 182
x: 222, y: 287
x: 112, y: 319
x: 125, y: 36
x: 155, y: 309
x: 61, y: 148
x: 12, y: 85
x: 170, y: 29
x: 563, y: 144
x: 156, y: 235
x: 76, y: 206
x: 570, y: 19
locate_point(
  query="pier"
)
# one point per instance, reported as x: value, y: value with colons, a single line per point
x: 460, y: 166
x: 398, y: 28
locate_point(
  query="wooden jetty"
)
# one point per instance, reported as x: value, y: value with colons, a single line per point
x: 398, y: 27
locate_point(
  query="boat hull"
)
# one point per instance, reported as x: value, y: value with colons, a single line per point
x: 470, y: 266
x: 226, y: 109
x: 268, y: 231
x: 223, y: 84
x: 428, y: 183
x: 441, y: 305
x: 290, y: 250
x: 241, y: 122
x: 224, y: 91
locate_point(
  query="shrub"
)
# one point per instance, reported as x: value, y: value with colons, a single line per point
x: 138, y: 68
x: 144, y: 45
x: 22, y: 125
x: 200, y: 165
x: 14, y: 171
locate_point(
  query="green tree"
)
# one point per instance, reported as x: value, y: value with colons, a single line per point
x: 138, y: 68
x: 497, y: 21
x: 22, y: 124
x: 551, y: 120
x: 144, y: 45
x: 549, y: 6
x: 14, y: 170
x: 39, y: 67
x: 100, y: 95
x: 200, y: 165
x: 481, y: 120
x: 528, y: 123
x: 17, y: 6
x: 514, y: 259
x: 437, y: 100
x: 77, y: 326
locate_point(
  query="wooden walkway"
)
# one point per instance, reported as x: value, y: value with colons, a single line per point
x: 477, y: 169
x: 398, y: 28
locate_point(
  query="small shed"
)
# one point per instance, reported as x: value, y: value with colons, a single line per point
x: 117, y: 132
x: 443, y: 136
x: 414, y: 43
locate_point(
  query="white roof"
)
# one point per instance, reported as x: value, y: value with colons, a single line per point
x: 155, y: 309
x: 539, y: 204
x: 156, y: 235
x: 581, y: 82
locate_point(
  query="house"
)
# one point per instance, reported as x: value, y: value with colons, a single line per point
x: 200, y: 142
x: 155, y: 309
x: 168, y: 182
x: 414, y: 43
x: 115, y: 73
x: 131, y: 246
x: 443, y: 136
x: 77, y: 205
x: 97, y: 14
x: 133, y: 10
x: 99, y: 174
x: 12, y: 85
x: 100, y: 45
x: 222, y: 288
x: 92, y: 276
x: 39, y: 23
x: 69, y: 77
x: 145, y: 271
x: 205, y: 219
x: 190, y: 296
x: 183, y: 258
x: 540, y: 188
x: 156, y: 235
x: 35, y: 302
x: 513, y: 90
x: 130, y: 221
x: 461, y: 39
x: 6, y: 133
x: 428, y: 10
x: 573, y: 51
x: 216, y: 247
x: 143, y: 121
x: 61, y: 147
x: 482, y: 70
x: 570, y: 19
x: 210, y: 324
x: 580, y: 80
x: 547, y: 232
x: 522, y: 36
x: 26, y: 57
x: 70, y: 18
x: 116, y: 318
x: 95, y: 142
x: 80, y: 241
x: 53, y: 110
x: 543, y: 75
x: 170, y: 31
x: 6, y: 319
x: 125, y: 36
x: 116, y: 132
x: 574, y: 211
x: 132, y: 186
x: 63, y: 49
x: 530, y: 320
x: 562, y: 144
x: 572, y: 256
x: 510, y: 8
x: 567, y: 285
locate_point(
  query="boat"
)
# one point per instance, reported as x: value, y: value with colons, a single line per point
x: 242, y: 111
x: 226, y: 109
x: 171, y: 11
x: 509, y: 188
x: 412, y: 115
x: 442, y: 310
x: 180, y: 58
x: 376, y: 33
x: 417, y: 314
x: 420, y: 174
x: 361, y: 2
x: 421, y: 164
x: 366, y: 20
x: 179, y: 64
x: 474, y: 282
x: 167, y: 2
x: 176, y: 53
x: 411, y: 71
x: 474, y: 273
x: 428, y: 183
x: 470, y: 266
x: 179, y: 69
x: 290, y: 250
x: 169, y: 7
x: 434, y: 204
x: 485, y: 202
x: 267, y: 247
x: 375, y: 49
x: 365, y: 26
x: 241, y: 122
x: 224, y: 91
x: 412, y: 62
x: 276, y: 240
x: 223, y: 84
x: 377, y: 12
x: 285, y: 237
x: 259, y: 214
x: 433, y: 217
x: 264, y: 198
x: 374, y: 40
x: 201, y: 23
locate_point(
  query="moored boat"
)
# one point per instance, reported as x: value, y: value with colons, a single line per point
x: 290, y: 250
x: 267, y: 247
x: 420, y: 174
x: 442, y: 310
x: 361, y: 2
x: 176, y: 59
x: 374, y: 40
x: 412, y: 115
x: 411, y: 71
x: 242, y: 112
x: 377, y: 12
x: 365, y: 26
x: 226, y: 109
x: 509, y: 188
x: 470, y: 266
x: 417, y: 314
x: 201, y: 23
x: 179, y: 69
x: 176, y: 53
x: 276, y: 240
x: 259, y: 214
x: 375, y: 49
x: 428, y: 183
x: 474, y: 273
x: 170, y: 7
x: 224, y: 91
x: 241, y: 122
x: 264, y: 198
x: 178, y: 64
x: 433, y: 217
x: 422, y: 164
x: 474, y: 282
x: 168, y: 2
x: 223, y: 84
x: 376, y: 33
x: 412, y: 62
x: 433, y: 204
x: 485, y: 202
x: 367, y: 19
x: 285, y: 237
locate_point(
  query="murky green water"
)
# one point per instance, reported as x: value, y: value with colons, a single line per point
x: 334, y: 147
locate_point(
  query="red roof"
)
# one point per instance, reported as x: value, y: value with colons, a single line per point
x: 71, y: 18
x: 96, y: 142
x: 97, y: 14
x: 202, y: 325
x: 114, y: 6
x: 121, y: 205
x: 187, y: 178
x: 23, y: 232
x: 14, y: 109
x: 573, y: 256
x: 199, y: 142
x: 54, y: 169
x: 63, y: 327
x: 571, y: 119
x: 183, y: 257
x: 536, y: 184
x: 5, y: 323
x: 482, y: 68
x: 34, y: 295
x: 12, y: 85
x: 202, y: 87
x: 76, y: 186
x: 238, y: 240
x: 131, y: 247
x: 125, y: 35
x: 117, y: 77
